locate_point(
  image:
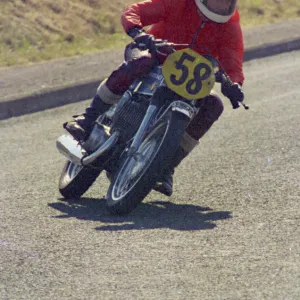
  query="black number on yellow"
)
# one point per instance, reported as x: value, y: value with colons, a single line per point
x: 194, y: 85
x: 183, y: 68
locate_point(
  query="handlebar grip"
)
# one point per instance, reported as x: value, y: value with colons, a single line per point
x: 141, y: 46
x: 144, y: 47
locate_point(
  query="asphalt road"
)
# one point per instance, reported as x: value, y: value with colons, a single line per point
x: 231, y: 230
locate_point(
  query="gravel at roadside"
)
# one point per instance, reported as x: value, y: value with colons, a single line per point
x: 45, y: 85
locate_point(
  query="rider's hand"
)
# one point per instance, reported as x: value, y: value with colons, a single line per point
x: 233, y: 91
x: 135, y: 31
x: 145, y: 41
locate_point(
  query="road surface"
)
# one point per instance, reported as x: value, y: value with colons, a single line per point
x: 231, y: 230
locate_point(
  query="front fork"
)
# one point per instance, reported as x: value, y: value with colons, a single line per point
x: 143, y: 129
x: 161, y: 96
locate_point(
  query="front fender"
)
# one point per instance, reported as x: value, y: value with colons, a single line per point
x: 183, y: 108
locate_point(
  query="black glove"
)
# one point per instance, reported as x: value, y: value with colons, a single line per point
x: 233, y: 91
x: 143, y: 40
x: 134, y: 32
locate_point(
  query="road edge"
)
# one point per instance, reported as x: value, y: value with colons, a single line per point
x: 79, y: 91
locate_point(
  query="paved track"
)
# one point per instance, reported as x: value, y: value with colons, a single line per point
x: 231, y: 231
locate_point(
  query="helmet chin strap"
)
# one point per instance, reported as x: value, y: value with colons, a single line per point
x: 197, y: 33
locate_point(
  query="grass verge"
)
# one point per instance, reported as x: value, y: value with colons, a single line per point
x: 36, y: 30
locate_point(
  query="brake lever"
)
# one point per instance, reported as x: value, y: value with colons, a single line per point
x: 245, y: 106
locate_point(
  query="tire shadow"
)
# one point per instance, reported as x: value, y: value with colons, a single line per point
x: 148, y: 215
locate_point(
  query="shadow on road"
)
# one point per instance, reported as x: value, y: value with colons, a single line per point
x: 149, y: 215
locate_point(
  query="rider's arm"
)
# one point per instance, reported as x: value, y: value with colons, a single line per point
x: 144, y: 13
x: 231, y: 50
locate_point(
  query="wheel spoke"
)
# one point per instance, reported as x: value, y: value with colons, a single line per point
x: 136, y: 165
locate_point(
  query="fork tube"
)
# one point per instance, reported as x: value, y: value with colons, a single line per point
x: 138, y: 138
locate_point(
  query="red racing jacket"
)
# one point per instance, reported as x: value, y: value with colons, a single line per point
x: 178, y: 20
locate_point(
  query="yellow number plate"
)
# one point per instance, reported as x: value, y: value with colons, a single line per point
x: 189, y: 74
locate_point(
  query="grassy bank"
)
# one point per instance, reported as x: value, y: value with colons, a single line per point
x: 35, y: 30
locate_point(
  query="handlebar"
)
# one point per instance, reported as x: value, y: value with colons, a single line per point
x: 221, y: 75
x: 158, y: 43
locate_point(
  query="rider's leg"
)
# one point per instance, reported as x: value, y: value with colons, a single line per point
x: 82, y: 125
x: 110, y: 91
x: 165, y: 184
x: 209, y: 113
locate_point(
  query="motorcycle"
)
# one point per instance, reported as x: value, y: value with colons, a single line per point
x: 136, y: 140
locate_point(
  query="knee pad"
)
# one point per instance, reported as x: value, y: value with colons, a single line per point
x: 106, y: 95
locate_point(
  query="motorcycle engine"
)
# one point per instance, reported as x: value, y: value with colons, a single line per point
x: 129, y: 114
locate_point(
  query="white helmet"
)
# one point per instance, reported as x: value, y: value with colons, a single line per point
x: 219, y: 11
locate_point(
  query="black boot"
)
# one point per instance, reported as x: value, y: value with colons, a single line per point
x: 81, y: 126
x: 165, y: 184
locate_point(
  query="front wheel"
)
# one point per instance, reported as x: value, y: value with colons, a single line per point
x: 139, y: 171
x: 75, y: 180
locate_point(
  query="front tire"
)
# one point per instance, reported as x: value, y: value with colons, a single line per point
x: 75, y: 180
x: 139, y: 172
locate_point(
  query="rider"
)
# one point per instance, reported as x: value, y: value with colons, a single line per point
x: 178, y: 22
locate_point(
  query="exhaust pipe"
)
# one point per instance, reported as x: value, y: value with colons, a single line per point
x: 74, y: 152
x: 70, y: 148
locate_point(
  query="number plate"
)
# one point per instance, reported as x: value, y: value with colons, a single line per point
x: 189, y: 74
